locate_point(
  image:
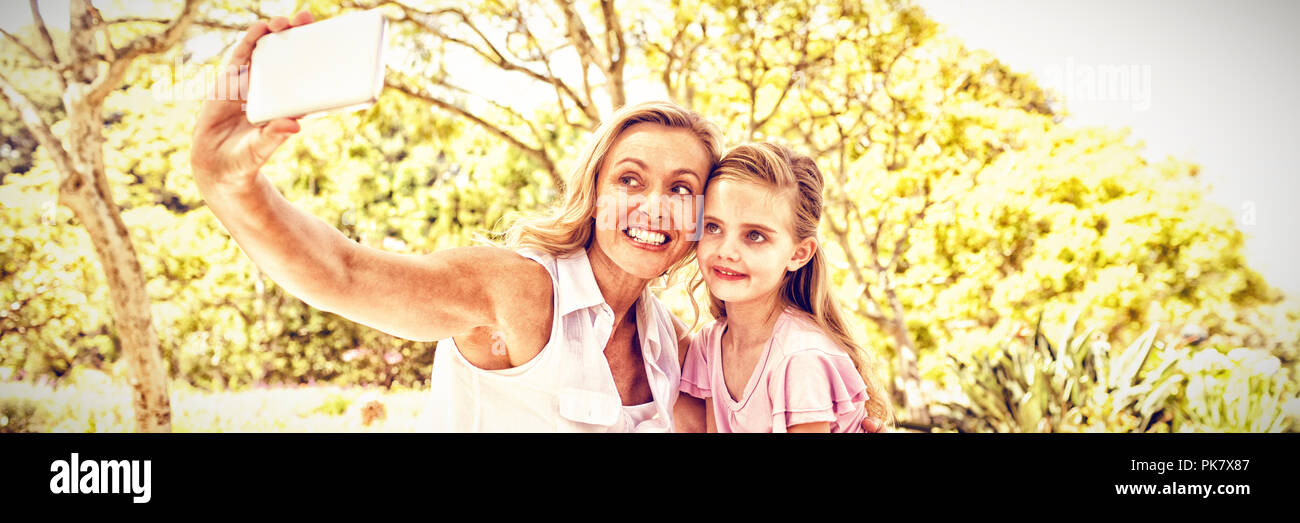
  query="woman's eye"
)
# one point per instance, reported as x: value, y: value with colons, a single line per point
x: 682, y: 190
x: 712, y: 228
x: 755, y: 236
x: 629, y: 181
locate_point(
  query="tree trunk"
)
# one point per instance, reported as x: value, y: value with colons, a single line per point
x: 914, y: 402
x: 83, y: 184
x: 86, y: 191
x: 131, y: 308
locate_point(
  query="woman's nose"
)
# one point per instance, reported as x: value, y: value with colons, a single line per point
x: 656, y: 210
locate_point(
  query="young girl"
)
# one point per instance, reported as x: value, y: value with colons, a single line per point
x: 778, y: 358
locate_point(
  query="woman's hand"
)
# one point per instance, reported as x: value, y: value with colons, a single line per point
x: 227, y: 149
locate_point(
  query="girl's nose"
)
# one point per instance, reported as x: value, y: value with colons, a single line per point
x: 728, y: 250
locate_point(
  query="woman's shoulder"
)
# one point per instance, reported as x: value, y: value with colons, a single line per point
x: 518, y: 283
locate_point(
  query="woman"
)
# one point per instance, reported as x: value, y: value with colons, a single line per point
x: 560, y: 335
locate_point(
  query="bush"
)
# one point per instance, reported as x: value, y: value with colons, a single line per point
x: 19, y: 414
x: 1079, y: 383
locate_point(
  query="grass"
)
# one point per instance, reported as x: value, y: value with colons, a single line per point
x: 105, y: 406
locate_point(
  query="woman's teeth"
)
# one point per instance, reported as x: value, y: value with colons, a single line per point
x: 646, y: 237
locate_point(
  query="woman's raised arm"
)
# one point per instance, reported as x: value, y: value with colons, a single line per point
x: 420, y: 297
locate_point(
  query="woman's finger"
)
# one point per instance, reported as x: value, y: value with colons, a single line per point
x: 283, y: 125
x: 262, y: 142
x: 244, y: 51
x: 871, y: 426
x: 279, y: 23
x: 302, y: 18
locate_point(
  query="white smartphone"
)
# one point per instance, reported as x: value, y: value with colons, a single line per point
x: 323, y: 67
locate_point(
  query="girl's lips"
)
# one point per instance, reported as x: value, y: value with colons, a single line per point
x: 728, y: 275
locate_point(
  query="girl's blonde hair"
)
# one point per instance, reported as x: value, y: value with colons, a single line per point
x: 571, y: 225
x: 809, y: 288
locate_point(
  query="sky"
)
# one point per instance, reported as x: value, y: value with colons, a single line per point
x: 1209, y: 82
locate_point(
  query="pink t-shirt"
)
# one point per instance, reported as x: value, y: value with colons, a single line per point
x: 802, y: 377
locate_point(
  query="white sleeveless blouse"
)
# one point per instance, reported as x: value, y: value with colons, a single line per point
x: 568, y: 386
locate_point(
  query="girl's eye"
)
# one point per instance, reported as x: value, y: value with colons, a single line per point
x: 712, y: 228
x: 755, y: 236
x: 682, y: 190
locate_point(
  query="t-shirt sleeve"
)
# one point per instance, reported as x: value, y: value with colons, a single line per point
x: 695, y: 370
x: 812, y: 386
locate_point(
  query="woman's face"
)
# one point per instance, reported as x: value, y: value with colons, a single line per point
x: 646, y: 197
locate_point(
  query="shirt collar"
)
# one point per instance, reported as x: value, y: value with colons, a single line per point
x: 579, y: 284
x: 581, y: 292
x: 648, y: 321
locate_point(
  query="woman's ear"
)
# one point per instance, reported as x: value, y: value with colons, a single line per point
x: 803, y: 252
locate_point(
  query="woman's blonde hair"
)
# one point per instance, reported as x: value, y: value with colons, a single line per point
x: 571, y: 225
x: 809, y: 288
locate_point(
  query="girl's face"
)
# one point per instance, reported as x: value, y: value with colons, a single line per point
x: 645, y: 198
x: 747, y: 243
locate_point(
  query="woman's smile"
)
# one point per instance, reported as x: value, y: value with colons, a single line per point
x: 648, y: 239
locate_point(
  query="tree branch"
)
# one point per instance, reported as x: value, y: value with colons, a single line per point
x: 578, y: 35
x: 143, y: 45
x: 617, y: 49
x: 841, y: 234
x: 907, y: 231
x: 53, y: 55
x: 588, y: 53
x: 491, y: 54
x: 537, y: 153
x: 501, y: 107
x: 789, y: 83
x: 561, y: 89
x: 39, y: 59
x: 41, y: 130
x: 210, y: 24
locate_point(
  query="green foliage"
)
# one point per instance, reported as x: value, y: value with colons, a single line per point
x: 1245, y: 390
x: 397, y: 176
x: 334, y: 405
x: 953, y: 191
x: 19, y: 415
x: 1080, y: 383
x: 19, y: 144
x: 55, y: 308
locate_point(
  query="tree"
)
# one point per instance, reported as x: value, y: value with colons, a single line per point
x: 524, y: 42
x: 878, y: 99
x: 958, y: 204
x: 907, y: 124
x: 84, y: 186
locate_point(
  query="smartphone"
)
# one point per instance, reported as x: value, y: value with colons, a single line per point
x: 323, y: 67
